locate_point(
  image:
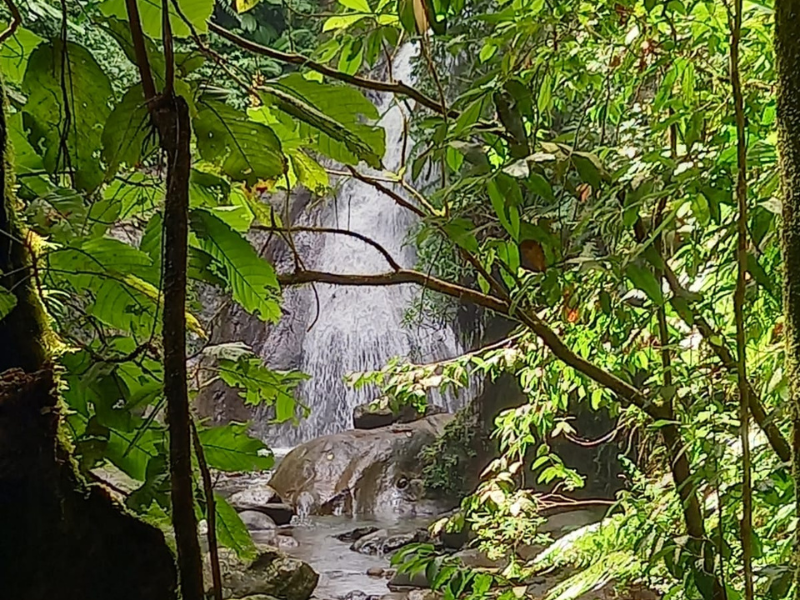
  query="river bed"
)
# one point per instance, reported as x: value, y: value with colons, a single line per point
x: 340, y: 569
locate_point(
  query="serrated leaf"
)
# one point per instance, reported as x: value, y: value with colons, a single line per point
x: 245, y: 150
x: 88, y: 92
x: 252, y: 279
x: 229, y: 448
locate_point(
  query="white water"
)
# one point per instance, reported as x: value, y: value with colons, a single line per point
x: 359, y: 328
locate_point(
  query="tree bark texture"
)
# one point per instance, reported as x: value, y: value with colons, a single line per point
x: 61, y: 538
x: 787, y: 51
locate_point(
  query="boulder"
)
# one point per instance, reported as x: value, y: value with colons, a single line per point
x: 355, y: 534
x: 271, y: 573
x: 378, y: 414
x: 473, y: 558
x: 361, y: 471
x: 256, y: 521
x: 281, y: 513
x: 400, y: 582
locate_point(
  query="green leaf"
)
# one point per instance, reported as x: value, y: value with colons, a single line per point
x: 197, y: 12
x: 128, y: 135
x: 644, y: 280
x: 229, y: 448
x: 309, y: 172
x: 245, y: 150
x: 252, y: 279
x: 461, y: 232
x: 359, y: 5
x: 88, y: 92
x: 15, y: 52
x: 336, y: 126
x: 231, y: 531
x: 7, y: 302
x: 261, y: 386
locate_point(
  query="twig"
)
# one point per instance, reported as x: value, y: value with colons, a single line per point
x: 211, y: 513
x: 738, y: 303
x: 16, y: 20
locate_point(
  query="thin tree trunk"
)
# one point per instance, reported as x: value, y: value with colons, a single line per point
x: 787, y: 51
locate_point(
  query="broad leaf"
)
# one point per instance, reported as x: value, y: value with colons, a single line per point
x: 15, y: 52
x: 343, y: 107
x: 252, y: 279
x: 245, y: 150
x: 86, y: 96
x: 231, y: 531
x: 128, y: 135
x: 229, y: 448
x: 197, y: 12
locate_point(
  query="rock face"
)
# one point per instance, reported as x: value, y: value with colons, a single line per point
x: 272, y: 573
x: 386, y: 541
x: 379, y: 414
x: 361, y: 472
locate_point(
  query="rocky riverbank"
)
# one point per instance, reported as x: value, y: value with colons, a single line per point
x: 336, y: 509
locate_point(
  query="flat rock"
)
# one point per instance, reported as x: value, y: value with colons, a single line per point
x: 253, y: 497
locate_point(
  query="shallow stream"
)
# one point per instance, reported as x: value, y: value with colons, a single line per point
x: 340, y: 569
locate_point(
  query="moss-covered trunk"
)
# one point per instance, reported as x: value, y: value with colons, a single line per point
x: 787, y: 50
x: 60, y: 538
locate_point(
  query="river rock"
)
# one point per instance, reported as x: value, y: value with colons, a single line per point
x: 253, y: 497
x: 374, y: 415
x: 474, y: 558
x: 256, y: 521
x: 355, y: 534
x: 387, y: 541
x: 272, y: 573
x: 359, y: 595
x: 361, y: 471
x: 401, y: 581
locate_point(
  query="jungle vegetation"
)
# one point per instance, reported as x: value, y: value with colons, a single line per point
x: 619, y: 178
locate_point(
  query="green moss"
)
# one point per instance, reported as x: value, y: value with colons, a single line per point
x: 451, y: 456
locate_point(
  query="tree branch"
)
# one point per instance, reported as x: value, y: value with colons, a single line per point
x: 399, y: 87
x: 333, y: 230
x: 16, y: 20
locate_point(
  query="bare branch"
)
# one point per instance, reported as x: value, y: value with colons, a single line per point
x: 332, y: 230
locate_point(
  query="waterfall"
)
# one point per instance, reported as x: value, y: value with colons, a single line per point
x: 352, y: 329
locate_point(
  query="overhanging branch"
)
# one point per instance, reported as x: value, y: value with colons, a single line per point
x: 398, y: 87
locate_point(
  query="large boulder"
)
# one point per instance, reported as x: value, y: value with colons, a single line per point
x: 271, y: 573
x: 361, y: 471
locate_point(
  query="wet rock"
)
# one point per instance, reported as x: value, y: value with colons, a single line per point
x: 254, y: 497
x: 423, y: 595
x: 375, y: 572
x: 379, y: 414
x: 286, y: 542
x: 272, y: 573
x: 355, y: 534
x: 361, y: 471
x: 359, y: 595
x: 477, y: 559
x: 256, y: 521
x: 279, y: 512
x: 258, y: 597
x: 386, y: 541
x: 404, y: 581
x: 394, y: 596
x: 560, y: 524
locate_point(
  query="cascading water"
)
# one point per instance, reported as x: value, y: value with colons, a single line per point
x: 352, y: 329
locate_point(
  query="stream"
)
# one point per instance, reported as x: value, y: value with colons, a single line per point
x: 340, y: 569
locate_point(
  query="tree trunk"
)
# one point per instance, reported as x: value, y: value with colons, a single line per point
x: 787, y: 50
x: 61, y: 538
